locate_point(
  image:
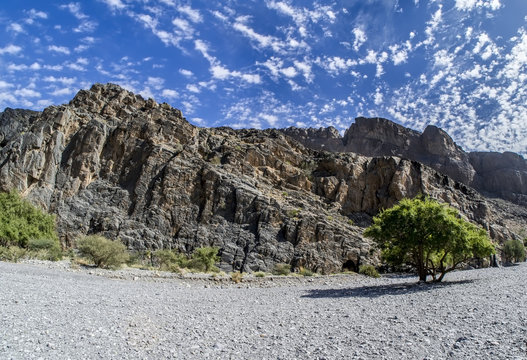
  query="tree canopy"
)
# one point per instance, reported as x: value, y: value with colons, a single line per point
x: 429, y: 236
x: 21, y: 222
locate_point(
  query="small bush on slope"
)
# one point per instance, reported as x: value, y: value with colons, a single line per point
x: 103, y: 252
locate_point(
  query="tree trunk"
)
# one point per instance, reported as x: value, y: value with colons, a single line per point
x: 421, y: 267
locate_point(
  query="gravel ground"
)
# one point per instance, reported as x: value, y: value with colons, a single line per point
x: 50, y: 311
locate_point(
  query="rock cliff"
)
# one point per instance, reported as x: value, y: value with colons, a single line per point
x: 114, y: 163
x: 493, y: 174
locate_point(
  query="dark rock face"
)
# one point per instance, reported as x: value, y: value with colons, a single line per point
x: 111, y: 162
x: 503, y: 175
x: 12, y: 121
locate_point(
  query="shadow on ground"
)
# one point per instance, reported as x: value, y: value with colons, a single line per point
x: 380, y: 290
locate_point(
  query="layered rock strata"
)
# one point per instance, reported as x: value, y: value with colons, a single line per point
x: 113, y: 163
x: 494, y: 174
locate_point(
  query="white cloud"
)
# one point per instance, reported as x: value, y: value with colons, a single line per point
x: 63, y: 92
x: 59, y: 49
x: 169, y: 93
x: 62, y: 80
x: 75, y: 9
x: 35, y: 14
x: 183, y: 25
x: 10, y: 49
x: 168, y: 2
x: 192, y: 14
x: 360, y: 38
x: 305, y: 68
x: 220, y: 72
x: 399, y: 55
x: 16, y: 28
x: 272, y: 120
x: 26, y: 92
x: 336, y: 65
x: 5, y: 85
x: 516, y: 65
x: 468, y: 5
x: 443, y: 59
x: 155, y: 82
x: 249, y: 78
x: 289, y: 71
x: 114, y: 4
x: 86, y: 26
x: 263, y: 41
x: 433, y: 25
x: 193, y: 88
x: 483, y: 38
x: 186, y: 72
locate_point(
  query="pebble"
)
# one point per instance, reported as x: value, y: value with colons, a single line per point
x: 50, y: 312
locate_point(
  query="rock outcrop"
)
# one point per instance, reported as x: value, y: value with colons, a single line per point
x: 493, y: 174
x: 111, y: 162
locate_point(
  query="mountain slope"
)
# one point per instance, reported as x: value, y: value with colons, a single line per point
x: 498, y: 174
x: 111, y: 162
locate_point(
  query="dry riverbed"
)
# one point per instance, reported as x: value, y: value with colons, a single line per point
x: 53, y: 311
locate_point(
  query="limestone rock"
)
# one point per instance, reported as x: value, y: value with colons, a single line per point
x: 113, y: 163
x: 503, y: 175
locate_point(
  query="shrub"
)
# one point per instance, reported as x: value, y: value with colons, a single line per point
x: 305, y: 272
x: 369, y: 270
x: 170, y: 260
x: 21, y: 222
x: 12, y: 253
x: 102, y: 251
x: 237, y: 277
x: 281, y: 269
x: 204, y: 258
x: 259, y: 274
x: 513, y: 251
x: 45, y: 249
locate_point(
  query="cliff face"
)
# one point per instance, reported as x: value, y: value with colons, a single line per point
x: 497, y: 174
x: 111, y: 162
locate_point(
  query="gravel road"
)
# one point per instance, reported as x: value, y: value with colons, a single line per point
x: 53, y: 312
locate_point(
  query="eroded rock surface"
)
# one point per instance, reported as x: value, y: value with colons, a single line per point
x: 496, y: 174
x: 114, y: 163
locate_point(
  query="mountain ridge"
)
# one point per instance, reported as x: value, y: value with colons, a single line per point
x: 492, y: 173
x: 113, y: 163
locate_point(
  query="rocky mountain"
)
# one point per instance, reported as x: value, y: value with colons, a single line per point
x: 493, y: 174
x: 111, y: 162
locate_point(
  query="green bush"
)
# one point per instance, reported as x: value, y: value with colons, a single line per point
x: 513, y: 251
x: 259, y: 274
x: 44, y: 249
x: 305, y: 272
x: 170, y: 260
x: 12, y: 253
x: 103, y: 252
x: 369, y: 270
x: 281, y: 269
x: 204, y: 258
x: 22, y: 223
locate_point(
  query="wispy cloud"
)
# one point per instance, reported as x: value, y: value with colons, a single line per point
x: 10, y: 49
x: 59, y: 49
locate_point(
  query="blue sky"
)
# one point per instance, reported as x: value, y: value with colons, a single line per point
x: 457, y: 64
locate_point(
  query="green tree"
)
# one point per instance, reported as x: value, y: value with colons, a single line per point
x: 21, y: 223
x: 514, y: 251
x: 429, y: 236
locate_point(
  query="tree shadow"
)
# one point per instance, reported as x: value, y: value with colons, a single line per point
x: 380, y: 290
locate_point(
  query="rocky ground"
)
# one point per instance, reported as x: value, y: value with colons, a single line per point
x: 51, y: 311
